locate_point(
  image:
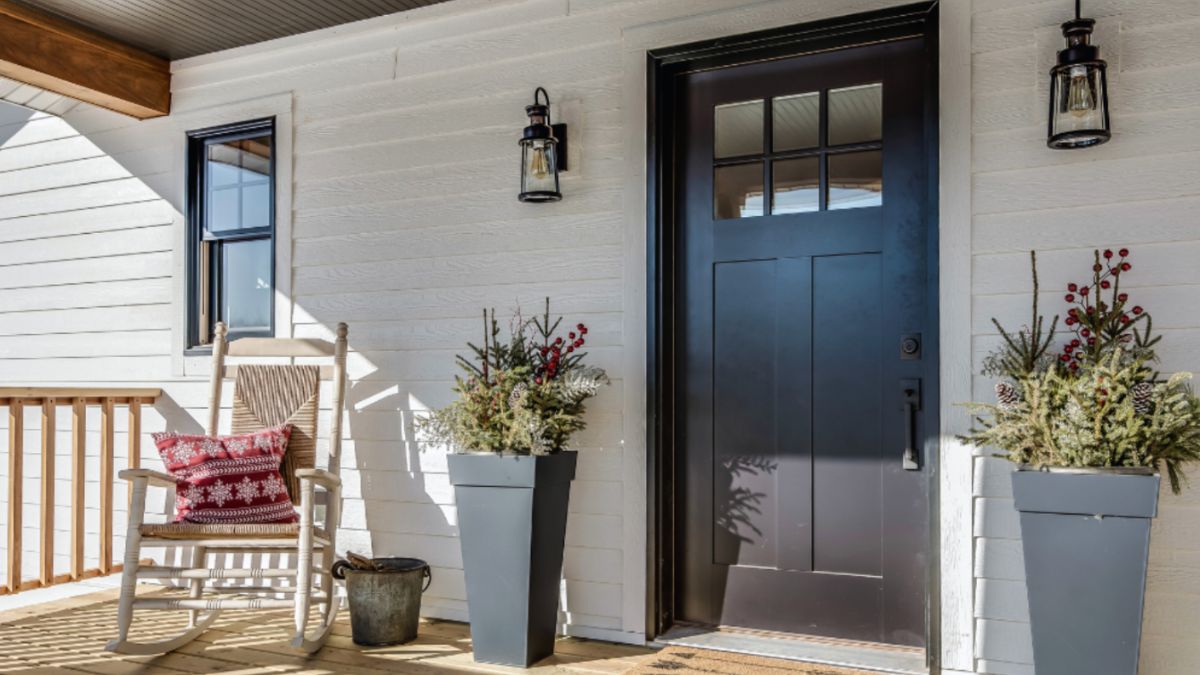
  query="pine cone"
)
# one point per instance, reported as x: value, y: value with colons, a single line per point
x: 1142, y: 391
x: 1007, y: 395
x: 514, y: 398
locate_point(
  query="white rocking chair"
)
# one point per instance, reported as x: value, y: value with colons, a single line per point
x: 264, y: 396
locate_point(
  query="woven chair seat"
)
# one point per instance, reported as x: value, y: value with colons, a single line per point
x: 226, y: 530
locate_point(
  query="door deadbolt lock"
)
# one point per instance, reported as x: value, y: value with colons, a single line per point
x: 910, y: 347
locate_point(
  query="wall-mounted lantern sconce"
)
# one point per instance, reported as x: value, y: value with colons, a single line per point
x: 543, y: 152
x: 1078, y: 90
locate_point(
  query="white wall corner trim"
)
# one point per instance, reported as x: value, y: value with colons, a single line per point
x: 956, y: 567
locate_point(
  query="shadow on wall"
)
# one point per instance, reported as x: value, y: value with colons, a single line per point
x: 12, y: 120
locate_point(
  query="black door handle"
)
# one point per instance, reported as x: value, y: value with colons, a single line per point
x: 910, y: 391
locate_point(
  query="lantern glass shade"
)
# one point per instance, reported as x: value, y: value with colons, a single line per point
x: 1078, y: 105
x: 539, y: 170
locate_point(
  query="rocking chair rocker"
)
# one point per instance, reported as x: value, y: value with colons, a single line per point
x: 264, y: 396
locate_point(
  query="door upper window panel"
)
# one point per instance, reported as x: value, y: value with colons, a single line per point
x: 799, y: 153
x: 738, y: 129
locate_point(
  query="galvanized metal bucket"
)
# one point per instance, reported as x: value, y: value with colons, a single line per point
x: 385, y: 603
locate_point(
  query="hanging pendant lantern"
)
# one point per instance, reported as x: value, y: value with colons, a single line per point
x: 543, y: 152
x: 1078, y: 90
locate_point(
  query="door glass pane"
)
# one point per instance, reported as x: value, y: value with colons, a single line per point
x: 246, y: 284
x: 738, y: 129
x: 738, y: 191
x: 238, y: 184
x: 855, y: 179
x: 796, y: 121
x: 856, y: 114
x: 797, y: 185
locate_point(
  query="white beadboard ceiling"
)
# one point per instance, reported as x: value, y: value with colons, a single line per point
x: 177, y: 30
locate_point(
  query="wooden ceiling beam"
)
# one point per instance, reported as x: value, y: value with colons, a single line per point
x: 51, y: 53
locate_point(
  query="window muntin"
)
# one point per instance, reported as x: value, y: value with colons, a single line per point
x: 231, y: 230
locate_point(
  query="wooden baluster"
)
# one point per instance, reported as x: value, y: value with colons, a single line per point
x: 106, y: 485
x: 47, y: 524
x: 135, y: 442
x: 16, y: 451
x: 78, y: 446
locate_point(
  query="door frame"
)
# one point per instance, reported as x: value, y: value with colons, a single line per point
x: 918, y: 20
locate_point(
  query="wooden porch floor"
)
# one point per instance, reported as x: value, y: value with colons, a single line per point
x: 68, y: 635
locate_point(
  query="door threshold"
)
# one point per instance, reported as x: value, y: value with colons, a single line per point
x: 873, y: 657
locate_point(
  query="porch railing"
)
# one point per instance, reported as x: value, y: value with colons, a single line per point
x: 77, y: 400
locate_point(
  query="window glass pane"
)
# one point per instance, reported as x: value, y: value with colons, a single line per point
x: 796, y: 121
x: 856, y: 114
x: 797, y: 185
x: 738, y: 129
x: 246, y: 286
x: 738, y: 191
x: 255, y: 156
x: 855, y: 179
x: 238, y: 184
x: 222, y: 209
x: 256, y: 205
x: 223, y: 169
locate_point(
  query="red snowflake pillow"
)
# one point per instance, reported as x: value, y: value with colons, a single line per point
x: 228, y: 479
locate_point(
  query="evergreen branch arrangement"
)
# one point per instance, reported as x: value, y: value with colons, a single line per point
x: 1100, y: 403
x: 524, y: 395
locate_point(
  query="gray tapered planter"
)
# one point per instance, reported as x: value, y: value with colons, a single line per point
x: 512, y: 522
x: 1086, y: 536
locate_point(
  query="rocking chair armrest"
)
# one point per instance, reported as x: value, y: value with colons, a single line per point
x: 154, y: 477
x: 326, y: 479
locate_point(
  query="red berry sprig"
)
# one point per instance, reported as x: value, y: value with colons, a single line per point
x: 1099, y: 323
x: 558, y: 355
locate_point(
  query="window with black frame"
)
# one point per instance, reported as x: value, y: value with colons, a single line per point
x: 231, y: 230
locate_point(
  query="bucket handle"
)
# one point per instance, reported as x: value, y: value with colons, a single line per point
x: 338, y: 571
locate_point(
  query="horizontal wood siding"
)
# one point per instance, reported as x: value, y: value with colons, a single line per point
x: 1142, y: 191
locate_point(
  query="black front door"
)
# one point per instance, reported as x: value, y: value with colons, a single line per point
x: 803, y: 345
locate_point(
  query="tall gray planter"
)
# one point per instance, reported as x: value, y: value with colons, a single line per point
x: 512, y: 522
x: 1086, y: 536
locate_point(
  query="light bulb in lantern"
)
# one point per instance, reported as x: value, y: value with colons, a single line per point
x: 538, y: 165
x: 1081, y: 100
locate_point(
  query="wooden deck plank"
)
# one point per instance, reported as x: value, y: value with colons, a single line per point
x: 69, y: 636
